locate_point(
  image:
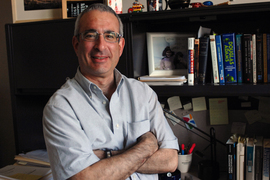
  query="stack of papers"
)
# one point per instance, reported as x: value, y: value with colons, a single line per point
x: 163, y: 80
x: 14, y: 172
x: 34, y: 158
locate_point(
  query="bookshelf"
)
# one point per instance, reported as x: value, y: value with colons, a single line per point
x: 244, y: 18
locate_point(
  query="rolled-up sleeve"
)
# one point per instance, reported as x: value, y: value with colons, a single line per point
x: 68, y: 154
x: 159, y: 124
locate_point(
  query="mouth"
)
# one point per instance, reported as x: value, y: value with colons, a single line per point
x: 99, y: 58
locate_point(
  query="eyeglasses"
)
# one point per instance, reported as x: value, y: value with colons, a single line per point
x: 92, y: 36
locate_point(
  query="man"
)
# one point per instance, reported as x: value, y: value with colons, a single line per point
x: 100, y: 124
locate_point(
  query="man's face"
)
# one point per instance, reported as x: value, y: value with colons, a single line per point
x: 98, y: 58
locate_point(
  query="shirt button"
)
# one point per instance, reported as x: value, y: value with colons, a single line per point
x: 95, y: 87
x: 117, y: 126
x: 104, y: 102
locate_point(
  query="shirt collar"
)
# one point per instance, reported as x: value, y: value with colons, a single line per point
x: 86, y: 84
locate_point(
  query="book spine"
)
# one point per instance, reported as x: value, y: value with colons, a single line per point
x: 254, y: 59
x: 214, y: 58
x: 259, y: 57
x: 83, y: 6
x: 268, y: 57
x: 78, y: 10
x: 265, y: 58
x: 231, y: 160
x: 191, y: 61
x: 228, y: 41
x: 196, y: 60
x: 220, y: 59
x: 238, y: 39
x: 266, y: 159
x: 240, y: 161
x: 250, y: 159
x: 258, y: 162
x: 204, y: 45
x: 247, y: 58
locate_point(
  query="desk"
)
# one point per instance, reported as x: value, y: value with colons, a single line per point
x: 193, y: 174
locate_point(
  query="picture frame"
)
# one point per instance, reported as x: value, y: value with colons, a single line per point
x: 65, y: 6
x: 21, y: 15
x: 176, y: 46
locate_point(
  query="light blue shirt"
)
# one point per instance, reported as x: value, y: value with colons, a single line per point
x: 78, y: 119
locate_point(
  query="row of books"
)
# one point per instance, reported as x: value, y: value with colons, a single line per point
x: 74, y: 8
x: 248, y: 158
x: 235, y: 58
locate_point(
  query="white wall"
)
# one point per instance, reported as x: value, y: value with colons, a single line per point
x: 128, y: 3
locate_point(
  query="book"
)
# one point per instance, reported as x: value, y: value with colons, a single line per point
x: 228, y: 41
x: 247, y: 70
x: 264, y: 57
x: 203, y: 56
x: 164, y: 83
x: 238, y: 39
x: 266, y: 159
x: 220, y: 59
x: 231, y: 159
x: 162, y: 78
x: 259, y: 57
x: 250, y: 159
x: 214, y: 58
x: 196, y: 60
x: 240, y: 173
x: 268, y: 57
x: 191, y: 61
x: 254, y: 59
x: 258, y: 157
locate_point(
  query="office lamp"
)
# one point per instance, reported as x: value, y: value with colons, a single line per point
x: 207, y: 169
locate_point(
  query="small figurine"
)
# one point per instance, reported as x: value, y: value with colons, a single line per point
x: 137, y: 7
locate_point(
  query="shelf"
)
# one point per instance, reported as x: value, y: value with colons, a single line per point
x: 202, y: 11
x: 213, y: 90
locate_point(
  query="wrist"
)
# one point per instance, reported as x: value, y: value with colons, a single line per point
x: 108, y: 153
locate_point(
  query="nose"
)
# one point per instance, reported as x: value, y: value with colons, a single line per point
x: 100, y: 43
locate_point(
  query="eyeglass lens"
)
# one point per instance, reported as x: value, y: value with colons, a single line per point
x: 93, y: 36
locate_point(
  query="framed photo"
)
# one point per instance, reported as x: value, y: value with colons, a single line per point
x: 167, y: 53
x: 72, y: 8
x: 36, y: 10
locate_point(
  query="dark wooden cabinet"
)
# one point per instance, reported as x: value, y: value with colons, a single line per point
x: 41, y: 56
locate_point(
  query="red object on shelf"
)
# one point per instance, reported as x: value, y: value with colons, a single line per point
x: 196, y: 5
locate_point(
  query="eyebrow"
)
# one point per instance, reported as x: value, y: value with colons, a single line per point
x: 94, y: 30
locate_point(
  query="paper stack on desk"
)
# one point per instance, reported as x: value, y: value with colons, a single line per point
x: 15, y: 172
x: 34, y: 158
x: 163, y: 80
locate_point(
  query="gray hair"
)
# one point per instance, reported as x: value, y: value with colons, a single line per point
x: 102, y: 8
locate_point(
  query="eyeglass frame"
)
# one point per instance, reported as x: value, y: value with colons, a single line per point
x: 119, y: 36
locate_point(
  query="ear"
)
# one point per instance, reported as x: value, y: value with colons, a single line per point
x: 75, y: 44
